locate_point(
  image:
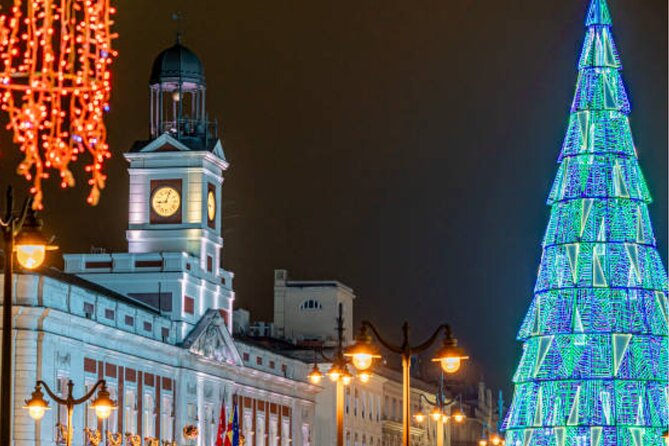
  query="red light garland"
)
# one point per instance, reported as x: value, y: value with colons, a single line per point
x: 56, y: 87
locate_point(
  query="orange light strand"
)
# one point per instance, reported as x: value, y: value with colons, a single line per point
x: 55, y: 85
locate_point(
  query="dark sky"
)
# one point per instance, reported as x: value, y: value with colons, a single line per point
x: 405, y: 148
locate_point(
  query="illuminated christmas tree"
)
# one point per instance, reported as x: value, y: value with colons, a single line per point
x: 594, y: 365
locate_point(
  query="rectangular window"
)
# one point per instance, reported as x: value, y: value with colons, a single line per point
x: 148, y: 416
x: 110, y: 370
x: 165, y: 333
x: 148, y: 326
x: 89, y: 309
x: 285, y: 431
x: 112, y: 421
x: 245, y: 357
x: 260, y: 431
x: 189, y: 305
x: 149, y: 264
x: 90, y: 419
x: 109, y: 314
x: 258, y: 360
x: 271, y: 364
x: 129, y: 411
x: 166, y: 418
x: 129, y: 321
x: 90, y: 365
x: 210, y: 264
x: 97, y: 265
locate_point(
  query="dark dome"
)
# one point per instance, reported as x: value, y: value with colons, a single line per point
x: 177, y: 63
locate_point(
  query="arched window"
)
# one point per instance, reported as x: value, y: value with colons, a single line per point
x: 311, y: 305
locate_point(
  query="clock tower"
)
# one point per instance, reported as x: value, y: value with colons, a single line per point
x: 176, y: 175
x: 174, y: 238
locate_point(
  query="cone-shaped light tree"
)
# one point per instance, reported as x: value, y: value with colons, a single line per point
x: 594, y: 365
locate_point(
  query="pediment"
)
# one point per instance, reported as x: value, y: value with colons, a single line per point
x: 211, y: 340
x: 165, y: 143
x: 168, y: 143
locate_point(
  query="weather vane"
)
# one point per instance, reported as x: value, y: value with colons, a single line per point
x: 177, y: 18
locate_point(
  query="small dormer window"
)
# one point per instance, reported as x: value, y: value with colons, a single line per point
x: 311, y: 305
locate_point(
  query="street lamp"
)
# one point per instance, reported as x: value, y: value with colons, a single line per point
x: 438, y: 413
x: 339, y: 374
x: 21, y: 233
x: 489, y: 434
x: 315, y: 376
x: 102, y: 403
x: 449, y: 355
x: 458, y: 416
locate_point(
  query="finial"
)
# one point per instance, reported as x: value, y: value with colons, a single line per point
x: 177, y: 17
x: 598, y: 14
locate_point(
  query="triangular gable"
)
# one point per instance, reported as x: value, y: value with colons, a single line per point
x: 211, y: 339
x: 167, y: 143
x: 164, y: 143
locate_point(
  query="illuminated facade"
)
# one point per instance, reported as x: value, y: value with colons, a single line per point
x: 594, y: 364
x: 155, y: 322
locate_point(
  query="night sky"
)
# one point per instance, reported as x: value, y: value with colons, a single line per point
x: 404, y: 148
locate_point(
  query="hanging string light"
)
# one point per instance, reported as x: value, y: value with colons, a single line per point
x: 55, y: 87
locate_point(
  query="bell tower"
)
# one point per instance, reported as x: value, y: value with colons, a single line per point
x: 173, y: 263
x: 176, y: 175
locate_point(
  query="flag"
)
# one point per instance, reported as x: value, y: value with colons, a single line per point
x: 228, y: 433
x: 221, y: 426
x: 235, y: 427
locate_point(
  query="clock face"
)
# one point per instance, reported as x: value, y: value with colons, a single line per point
x: 211, y: 205
x: 166, y: 201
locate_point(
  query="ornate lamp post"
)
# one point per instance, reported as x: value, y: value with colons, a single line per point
x: 438, y: 413
x: 339, y: 374
x: 363, y: 353
x: 22, y: 235
x: 102, y: 404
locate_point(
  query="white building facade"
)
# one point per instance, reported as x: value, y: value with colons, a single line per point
x: 155, y: 322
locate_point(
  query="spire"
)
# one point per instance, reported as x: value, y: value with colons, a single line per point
x: 598, y: 14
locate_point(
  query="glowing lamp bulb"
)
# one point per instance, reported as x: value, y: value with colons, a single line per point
x: 315, y: 376
x: 436, y: 414
x: 459, y: 417
x: 103, y: 411
x: 36, y: 412
x: 346, y: 379
x: 362, y: 361
x: 176, y: 97
x: 334, y: 376
x: 450, y: 365
x: 495, y: 440
x: 364, y: 377
x: 420, y: 417
x: 30, y: 256
x: 482, y: 443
